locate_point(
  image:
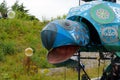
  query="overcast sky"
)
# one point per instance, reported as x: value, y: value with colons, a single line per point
x: 46, y: 8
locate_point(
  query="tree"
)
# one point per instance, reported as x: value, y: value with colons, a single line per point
x: 21, y: 12
x: 17, y: 7
x: 3, y: 9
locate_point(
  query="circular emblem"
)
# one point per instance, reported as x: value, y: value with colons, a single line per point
x: 102, y: 14
x: 109, y: 34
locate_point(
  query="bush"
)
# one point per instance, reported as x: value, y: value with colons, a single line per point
x: 1, y: 55
x: 8, y: 47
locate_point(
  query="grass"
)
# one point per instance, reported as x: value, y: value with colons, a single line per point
x: 17, y: 35
x: 12, y: 69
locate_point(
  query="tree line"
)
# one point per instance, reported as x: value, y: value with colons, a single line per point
x: 19, y: 9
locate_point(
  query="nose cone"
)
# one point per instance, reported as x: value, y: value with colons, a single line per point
x: 62, y: 38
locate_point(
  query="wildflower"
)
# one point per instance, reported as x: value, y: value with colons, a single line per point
x: 29, y: 51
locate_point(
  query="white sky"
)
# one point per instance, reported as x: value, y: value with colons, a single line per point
x: 46, y: 8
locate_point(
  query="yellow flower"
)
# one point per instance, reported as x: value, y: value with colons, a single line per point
x: 46, y: 71
x: 29, y: 51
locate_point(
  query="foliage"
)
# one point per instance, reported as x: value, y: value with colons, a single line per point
x: 21, y: 12
x: 16, y: 35
x: 17, y: 7
x: 8, y: 47
x: 2, y: 57
x: 3, y: 9
x: 59, y: 17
